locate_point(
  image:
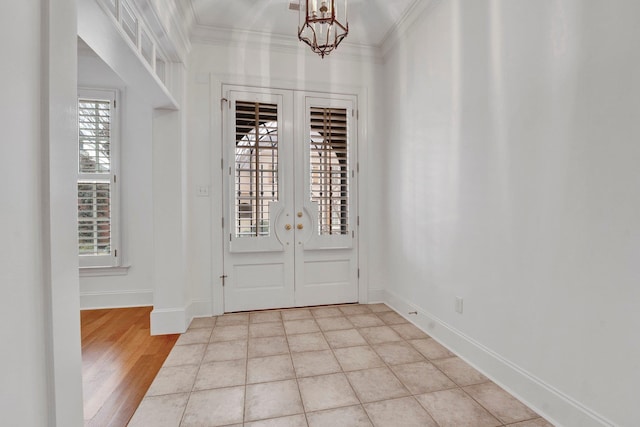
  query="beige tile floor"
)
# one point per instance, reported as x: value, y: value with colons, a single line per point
x: 350, y: 365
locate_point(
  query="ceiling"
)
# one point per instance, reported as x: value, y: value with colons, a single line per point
x: 369, y: 20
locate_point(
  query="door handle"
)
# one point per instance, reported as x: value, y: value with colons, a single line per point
x: 300, y: 226
x: 299, y: 214
x: 287, y: 227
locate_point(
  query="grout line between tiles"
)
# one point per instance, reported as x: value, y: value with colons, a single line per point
x: 246, y: 375
x: 322, y: 333
x: 388, y: 366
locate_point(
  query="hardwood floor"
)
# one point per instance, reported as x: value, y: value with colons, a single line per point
x: 120, y: 359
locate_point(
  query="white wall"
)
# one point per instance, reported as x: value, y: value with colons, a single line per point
x: 171, y: 293
x: 135, y: 286
x: 24, y: 371
x: 153, y: 196
x: 290, y: 68
x: 511, y: 180
x: 40, y: 381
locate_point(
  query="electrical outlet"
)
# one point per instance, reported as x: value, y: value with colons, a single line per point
x: 202, y: 191
x: 459, y: 301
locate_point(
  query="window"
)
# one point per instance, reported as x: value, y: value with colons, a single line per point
x: 329, y: 166
x: 97, y: 167
x: 256, y: 171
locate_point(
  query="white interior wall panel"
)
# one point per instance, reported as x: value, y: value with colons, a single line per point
x: 510, y: 180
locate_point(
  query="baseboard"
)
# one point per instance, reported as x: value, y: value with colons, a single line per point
x: 555, y: 406
x: 198, y: 308
x: 115, y: 299
x: 168, y: 321
x: 376, y: 295
x: 177, y: 320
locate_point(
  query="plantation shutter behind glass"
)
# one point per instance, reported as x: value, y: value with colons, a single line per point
x: 329, y: 166
x: 96, y: 179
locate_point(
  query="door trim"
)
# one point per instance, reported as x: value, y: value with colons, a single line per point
x: 216, y: 84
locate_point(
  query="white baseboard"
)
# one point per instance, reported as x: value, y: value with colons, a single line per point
x: 115, y: 299
x: 177, y: 320
x: 198, y: 308
x: 168, y: 321
x: 555, y: 406
x: 376, y: 296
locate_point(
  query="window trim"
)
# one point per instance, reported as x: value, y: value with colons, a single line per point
x: 114, y: 259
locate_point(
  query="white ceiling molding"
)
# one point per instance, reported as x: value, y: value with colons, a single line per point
x: 256, y: 40
x: 415, y: 12
x: 175, y: 24
x: 189, y: 13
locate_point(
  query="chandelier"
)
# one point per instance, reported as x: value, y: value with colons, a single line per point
x: 324, y: 25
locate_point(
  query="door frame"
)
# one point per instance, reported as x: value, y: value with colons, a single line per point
x: 217, y: 103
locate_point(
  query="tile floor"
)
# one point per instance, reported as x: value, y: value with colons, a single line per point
x: 349, y: 365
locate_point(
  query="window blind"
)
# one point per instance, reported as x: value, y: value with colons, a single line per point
x: 94, y: 218
x: 95, y: 178
x: 256, y: 168
x: 329, y: 168
x: 94, y: 126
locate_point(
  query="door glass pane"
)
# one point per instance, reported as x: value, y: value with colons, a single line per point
x: 329, y: 166
x: 256, y: 167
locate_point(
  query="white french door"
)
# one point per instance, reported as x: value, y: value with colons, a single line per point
x: 290, y: 211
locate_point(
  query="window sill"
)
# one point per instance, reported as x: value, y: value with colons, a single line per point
x: 104, y: 271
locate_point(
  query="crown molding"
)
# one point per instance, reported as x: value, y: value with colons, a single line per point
x: 188, y: 13
x: 413, y: 14
x: 277, y: 42
x: 187, y: 30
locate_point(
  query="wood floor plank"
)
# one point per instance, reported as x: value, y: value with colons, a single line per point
x: 120, y: 359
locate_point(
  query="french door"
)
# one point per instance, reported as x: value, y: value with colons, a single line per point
x: 290, y: 211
